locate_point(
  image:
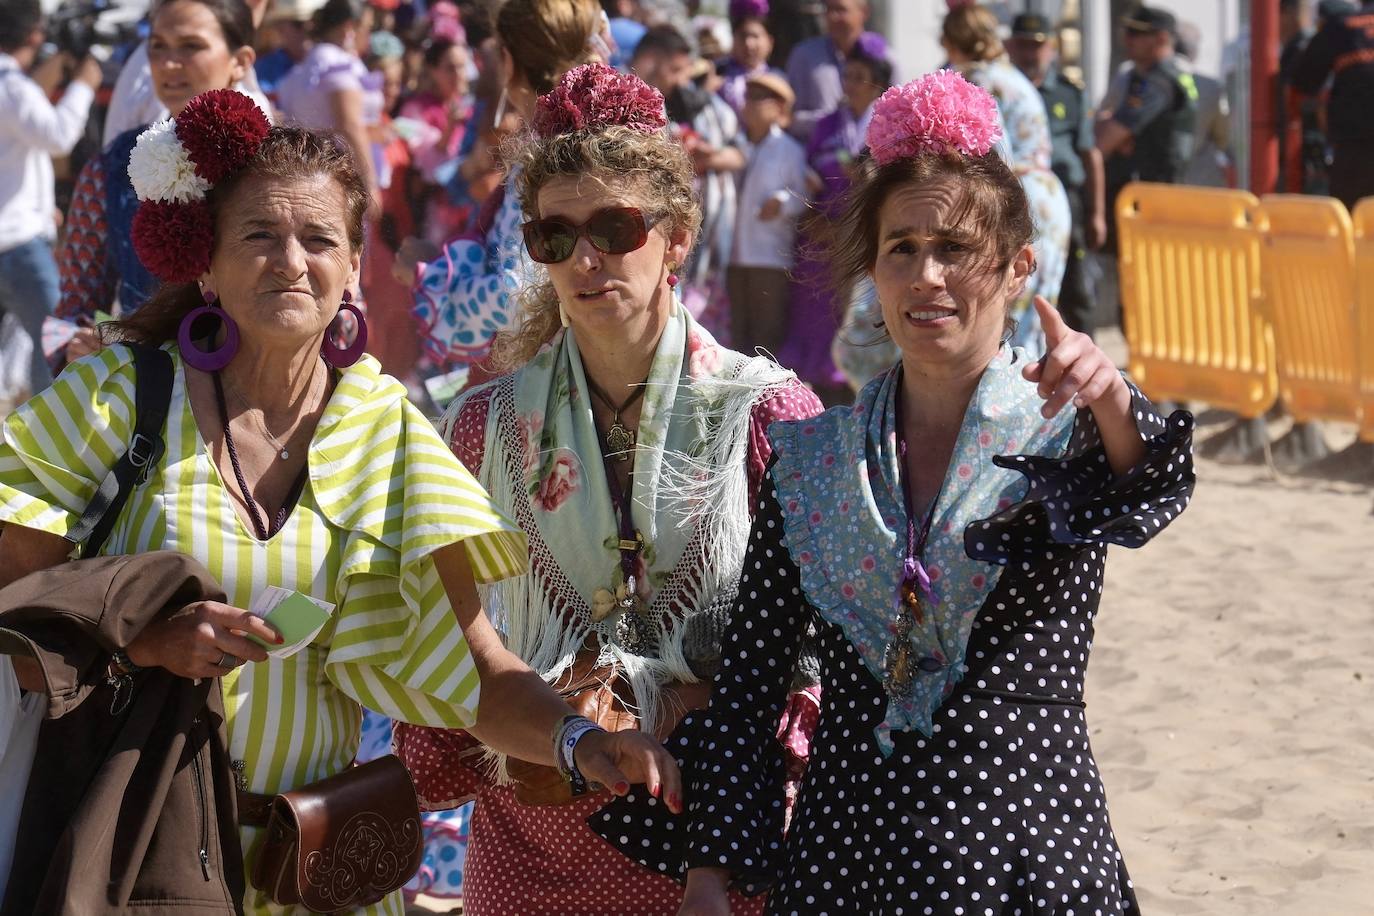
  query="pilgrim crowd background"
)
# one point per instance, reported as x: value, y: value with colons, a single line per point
x: 772, y: 102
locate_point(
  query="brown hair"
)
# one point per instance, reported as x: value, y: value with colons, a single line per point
x: 288, y: 153
x: 992, y: 209
x: 653, y: 167
x: 546, y: 38
x: 972, y: 31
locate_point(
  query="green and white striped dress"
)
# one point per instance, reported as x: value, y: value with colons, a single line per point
x: 384, y: 493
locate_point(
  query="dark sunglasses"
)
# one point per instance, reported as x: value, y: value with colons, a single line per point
x: 614, y: 230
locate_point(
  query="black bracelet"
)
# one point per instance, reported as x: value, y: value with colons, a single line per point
x: 122, y: 663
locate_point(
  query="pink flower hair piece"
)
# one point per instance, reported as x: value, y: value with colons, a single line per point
x: 940, y: 112
x: 593, y: 97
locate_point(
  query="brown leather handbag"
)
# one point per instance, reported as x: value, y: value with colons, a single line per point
x: 343, y: 842
x: 600, y: 694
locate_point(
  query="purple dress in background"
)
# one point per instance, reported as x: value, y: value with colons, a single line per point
x: 837, y: 139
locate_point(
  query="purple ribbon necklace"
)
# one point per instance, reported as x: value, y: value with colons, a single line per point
x: 898, y: 661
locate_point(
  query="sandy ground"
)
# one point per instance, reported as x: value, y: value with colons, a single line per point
x: 1231, y: 698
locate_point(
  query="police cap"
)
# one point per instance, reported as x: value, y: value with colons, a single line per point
x: 1149, y: 19
x: 1031, y: 27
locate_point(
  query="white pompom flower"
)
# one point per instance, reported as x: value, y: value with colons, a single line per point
x: 161, y: 169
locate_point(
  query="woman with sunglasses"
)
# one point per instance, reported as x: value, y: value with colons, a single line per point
x: 630, y: 446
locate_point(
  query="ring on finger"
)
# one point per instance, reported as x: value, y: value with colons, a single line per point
x: 229, y: 661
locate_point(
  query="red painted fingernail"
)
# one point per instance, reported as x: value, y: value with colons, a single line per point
x: 674, y: 802
x: 654, y: 790
x: 622, y: 787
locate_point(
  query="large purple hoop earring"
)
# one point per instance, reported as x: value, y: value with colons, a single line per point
x: 208, y: 360
x: 343, y: 357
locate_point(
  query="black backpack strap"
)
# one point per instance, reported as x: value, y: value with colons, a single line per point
x: 153, y: 377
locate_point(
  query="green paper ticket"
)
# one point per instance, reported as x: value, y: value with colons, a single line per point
x: 297, y: 617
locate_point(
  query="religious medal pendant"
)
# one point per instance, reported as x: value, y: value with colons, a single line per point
x: 620, y: 440
x: 897, y: 662
x: 285, y: 454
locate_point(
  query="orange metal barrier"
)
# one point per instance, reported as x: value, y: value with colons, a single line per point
x: 1363, y: 218
x: 1189, y: 261
x: 1309, y: 290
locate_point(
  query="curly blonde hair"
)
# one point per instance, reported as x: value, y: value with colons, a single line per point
x: 654, y: 169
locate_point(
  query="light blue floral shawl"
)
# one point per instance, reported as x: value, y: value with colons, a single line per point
x: 845, y: 521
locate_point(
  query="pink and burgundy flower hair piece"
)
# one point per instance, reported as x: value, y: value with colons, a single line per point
x: 940, y: 112
x: 172, y: 166
x: 593, y: 97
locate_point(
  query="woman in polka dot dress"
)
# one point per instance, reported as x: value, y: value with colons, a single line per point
x: 630, y: 447
x: 945, y: 537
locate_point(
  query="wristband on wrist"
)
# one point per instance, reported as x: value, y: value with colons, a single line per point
x: 570, y: 730
x: 122, y: 664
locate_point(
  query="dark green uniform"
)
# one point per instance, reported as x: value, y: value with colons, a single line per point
x: 1071, y: 131
x: 1159, y: 108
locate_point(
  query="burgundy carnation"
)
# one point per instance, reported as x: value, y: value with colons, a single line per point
x: 594, y: 96
x: 174, y: 240
x: 221, y: 130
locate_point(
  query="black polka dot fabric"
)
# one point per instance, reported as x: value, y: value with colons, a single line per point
x: 1001, y: 810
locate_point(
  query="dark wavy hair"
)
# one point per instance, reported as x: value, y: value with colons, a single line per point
x: 288, y: 153
x: 234, y: 17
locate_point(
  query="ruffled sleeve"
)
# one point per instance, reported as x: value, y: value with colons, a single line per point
x: 381, y: 473
x: 1076, y: 499
x: 464, y: 297
x: 446, y: 764
x: 734, y: 769
x: 60, y: 444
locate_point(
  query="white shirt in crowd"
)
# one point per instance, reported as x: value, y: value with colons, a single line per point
x: 134, y: 103
x: 777, y: 169
x: 32, y: 131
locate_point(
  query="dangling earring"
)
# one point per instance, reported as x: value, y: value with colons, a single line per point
x: 343, y: 357
x: 673, y: 281
x: 563, y: 315
x: 208, y: 360
x: 500, y: 109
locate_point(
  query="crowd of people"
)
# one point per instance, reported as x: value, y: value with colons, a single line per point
x: 630, y: 252
x: 771, y: 101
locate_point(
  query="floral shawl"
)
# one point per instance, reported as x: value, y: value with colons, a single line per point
x: 837, y: 480
x: 689, y: 493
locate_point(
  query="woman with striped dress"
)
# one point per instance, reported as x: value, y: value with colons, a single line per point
x: 291, y: 463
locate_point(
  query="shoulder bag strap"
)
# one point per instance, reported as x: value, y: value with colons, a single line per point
x: 153, y: 377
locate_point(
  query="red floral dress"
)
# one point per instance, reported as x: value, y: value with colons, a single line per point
x: 524, y: 861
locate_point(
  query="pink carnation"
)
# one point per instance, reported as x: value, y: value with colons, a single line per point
x: 593, y: 97
x: 940, y: 112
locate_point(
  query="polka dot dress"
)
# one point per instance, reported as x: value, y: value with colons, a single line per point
x: 1001, y: 810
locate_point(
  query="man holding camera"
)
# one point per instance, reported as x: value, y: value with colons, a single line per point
x: 32, y: 131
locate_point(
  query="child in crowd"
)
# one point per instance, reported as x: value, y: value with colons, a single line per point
x: 771, y: 199
x: 749, y: 53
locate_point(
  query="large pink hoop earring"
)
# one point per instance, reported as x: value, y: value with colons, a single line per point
x: 343, y: 357
x: 207, y: 360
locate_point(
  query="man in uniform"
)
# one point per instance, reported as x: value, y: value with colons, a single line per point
x: 1074, y: 158
x: 1343, y: 49
x: 1145, y: 128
